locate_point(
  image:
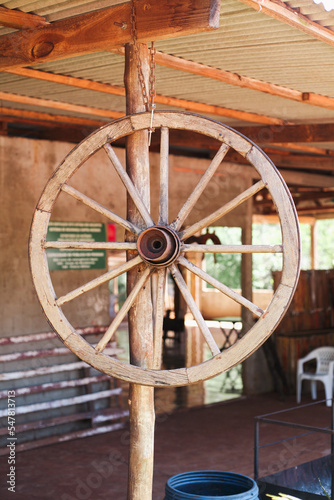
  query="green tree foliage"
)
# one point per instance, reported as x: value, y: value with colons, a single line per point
x: 227, y: 269
x: 325, y: 237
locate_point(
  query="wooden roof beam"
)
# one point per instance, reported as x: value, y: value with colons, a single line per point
x: 12, y: 115
x: 106, y: 29
x: 292, y: 161
x: 305, y: 149
x: 231, y: 78
x: 20, y: 20
x: 281, y: 11
x: 292, y: 177
x: 48, y: 103
x: 194, y: 68
x: 174, y: 62
x: 193, y: 106
x: 317, y: 132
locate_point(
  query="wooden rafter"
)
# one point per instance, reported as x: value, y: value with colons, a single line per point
x: 106, y: 29
x: 281, y: 11
x: 48, y: 103
x: 231, y: 78
x: 195, y: 68
x: 20, y: 20
x: 188, y: 105
x: 46, y: 119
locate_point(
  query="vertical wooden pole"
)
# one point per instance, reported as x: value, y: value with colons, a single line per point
x: 247, y: 267
x: 141, y: 398
x: 314, y: 245
x: 249, y: 366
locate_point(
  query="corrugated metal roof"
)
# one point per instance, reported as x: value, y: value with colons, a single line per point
x: 315, y: 12
x: 248, y: 42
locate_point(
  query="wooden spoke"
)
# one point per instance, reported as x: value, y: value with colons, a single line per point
x: 233, y: 248
x: 220, y: 286
x: 94, y: 245
x: 193, y: 198
x: 113, y: 273
x: 124, y: 309
x: 159, y: 318
x: 210, y: 219
x: 100, y: 209
x: 131, y: 188
x: 164, y: 171
x: 194, y: 309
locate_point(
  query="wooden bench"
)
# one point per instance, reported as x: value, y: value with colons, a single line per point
x: 57, y: 396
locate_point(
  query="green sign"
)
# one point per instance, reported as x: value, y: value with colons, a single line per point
x: 66, y: 259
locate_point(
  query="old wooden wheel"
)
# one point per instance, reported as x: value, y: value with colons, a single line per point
x: 160, y: 245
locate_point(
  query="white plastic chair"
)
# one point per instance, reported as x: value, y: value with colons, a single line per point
x: 324, y: 372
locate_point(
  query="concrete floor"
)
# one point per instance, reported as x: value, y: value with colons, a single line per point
x: 217, y: 437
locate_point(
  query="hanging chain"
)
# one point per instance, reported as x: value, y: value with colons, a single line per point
x: 152, y: 75
x: 148, y: 98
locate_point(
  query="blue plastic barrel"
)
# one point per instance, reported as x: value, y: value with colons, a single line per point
x: 211, y: 485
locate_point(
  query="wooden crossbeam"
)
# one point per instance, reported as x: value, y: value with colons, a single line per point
x: 20, y: 20
x: 291, y: 175
x: 106, y: 29
x: 298, y: 197
x: 278, y: 135
x: 291, y: 161
x: 281, y: 11
x: 316, y: 132
x: 306, y: 149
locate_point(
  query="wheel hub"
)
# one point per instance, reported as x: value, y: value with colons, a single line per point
x: 159, y: 245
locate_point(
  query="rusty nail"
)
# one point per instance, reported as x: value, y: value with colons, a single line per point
x: 122, y: 25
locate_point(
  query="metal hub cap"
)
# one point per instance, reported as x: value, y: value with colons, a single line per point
x: 159, y: 245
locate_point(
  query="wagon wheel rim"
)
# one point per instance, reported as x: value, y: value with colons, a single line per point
x: 162, y: 246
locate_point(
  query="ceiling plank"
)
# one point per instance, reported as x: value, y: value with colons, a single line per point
x: 281, y: 11
x: 20, y: 20
x: 160, y: 99
x: 48, y: 103
x: 108, y: 28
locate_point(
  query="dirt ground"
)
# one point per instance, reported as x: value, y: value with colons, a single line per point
x: 216, y: 437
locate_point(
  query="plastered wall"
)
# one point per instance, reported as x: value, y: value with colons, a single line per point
x: 25, y: 167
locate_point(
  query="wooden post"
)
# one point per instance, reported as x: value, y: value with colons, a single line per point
x: 247, y: 267
x: 141, y: 398
x: 314, y: 245
x: 248, y: 366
